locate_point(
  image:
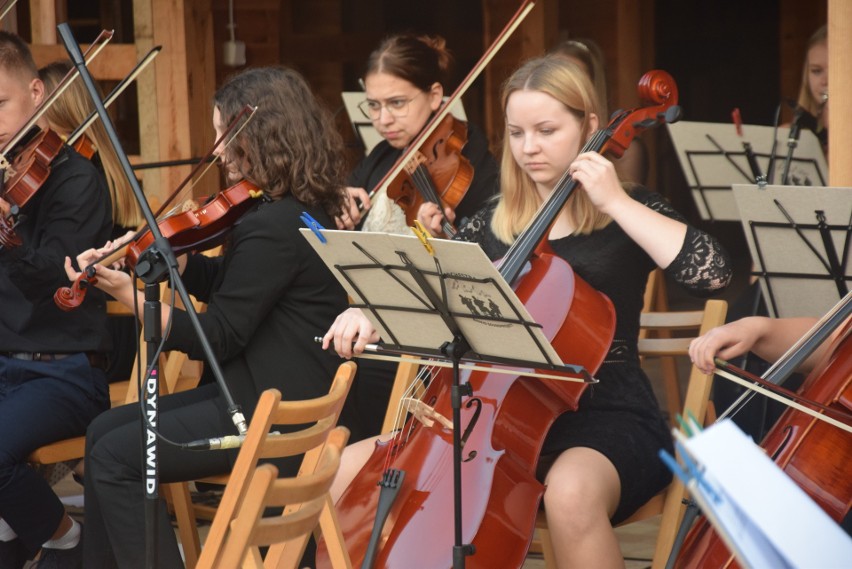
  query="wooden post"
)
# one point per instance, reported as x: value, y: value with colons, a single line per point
x: 174, y: 103
x: 43, y: 21
x: 532, y: 38
x: 840, y: 91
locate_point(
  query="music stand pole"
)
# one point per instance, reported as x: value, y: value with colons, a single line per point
x: 157, y: 262
x: 454, y: 351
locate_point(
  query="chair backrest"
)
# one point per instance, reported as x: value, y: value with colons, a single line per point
x: 320, y: 414
x: 696, y: 402
x: 679, y: 329
x: 249, y: 529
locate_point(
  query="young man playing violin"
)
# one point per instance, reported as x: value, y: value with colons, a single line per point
x: 51, y: 379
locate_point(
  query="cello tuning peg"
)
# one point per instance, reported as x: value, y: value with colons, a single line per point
x: 673, y: 114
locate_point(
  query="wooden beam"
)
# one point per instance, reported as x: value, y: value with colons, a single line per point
x: 201, y: 85
x: 113, y: 63
x: 840, y: 91
x: 43, y: 21
x: 174, y: 107
x: 146, y: 89
x: 530, y: 39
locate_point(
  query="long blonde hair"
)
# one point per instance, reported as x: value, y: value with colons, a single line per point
x: 567, y: 83
x: 66, y: 114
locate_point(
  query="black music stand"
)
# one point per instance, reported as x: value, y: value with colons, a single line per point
x: 155, y: 264
x: 712, y: 158
x: 801, y: 243
x: 444, y: 300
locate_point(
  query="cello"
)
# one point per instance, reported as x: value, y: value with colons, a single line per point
x: 815, y: 454
x: 507, y: 417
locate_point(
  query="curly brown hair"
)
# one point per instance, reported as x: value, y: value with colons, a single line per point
x: 290, y: 145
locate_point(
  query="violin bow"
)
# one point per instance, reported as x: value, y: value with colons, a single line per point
x: 782, y: 395
x: 8, y: 5
x: 205, y: 162
x: 790, y: 361
x: 444, y: 110
x: 94, y: 49
x: 118, y: 90
x: 118, y: 251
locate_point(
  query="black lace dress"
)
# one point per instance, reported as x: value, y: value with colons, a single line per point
x: 620, y: 416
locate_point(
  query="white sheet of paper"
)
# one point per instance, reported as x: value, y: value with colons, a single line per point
x: 391, y: 290
x: 770, y: 519
x: 783, y: 250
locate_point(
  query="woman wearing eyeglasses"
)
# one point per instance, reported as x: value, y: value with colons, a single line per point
x: 403, y: 84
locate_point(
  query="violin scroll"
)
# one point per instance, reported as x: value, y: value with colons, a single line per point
x: 68, y: 298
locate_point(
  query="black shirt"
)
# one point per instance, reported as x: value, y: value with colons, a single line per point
x: 268, y: 297
x: 70, y: 213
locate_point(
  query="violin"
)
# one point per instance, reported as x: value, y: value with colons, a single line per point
x: 32, y: 150
x: 85, y: 147
x: 506, y: 419
x: 29, y: 170
x: 815, y: 454
x: 436, y: 173
x: 192, y: 230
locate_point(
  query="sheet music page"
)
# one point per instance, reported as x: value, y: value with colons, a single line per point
x: 762, y: 509
x: 796, y: 260
x: 401, y: 310
x: 712, y: 158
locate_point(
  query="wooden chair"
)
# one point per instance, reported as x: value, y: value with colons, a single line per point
x: 248, y: 529
x: 321, y: 415
x: 669, y: 502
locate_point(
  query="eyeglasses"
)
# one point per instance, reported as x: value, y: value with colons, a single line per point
x: 396, y: 107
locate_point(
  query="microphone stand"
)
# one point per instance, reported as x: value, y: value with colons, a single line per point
x: 154, y: 264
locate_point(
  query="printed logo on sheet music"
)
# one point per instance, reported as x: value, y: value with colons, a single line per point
x: 478, y: 299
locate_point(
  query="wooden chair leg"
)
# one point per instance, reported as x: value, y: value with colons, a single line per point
x: 178, y: 494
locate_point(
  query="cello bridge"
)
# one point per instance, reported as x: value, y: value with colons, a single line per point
x: 424, y: 413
